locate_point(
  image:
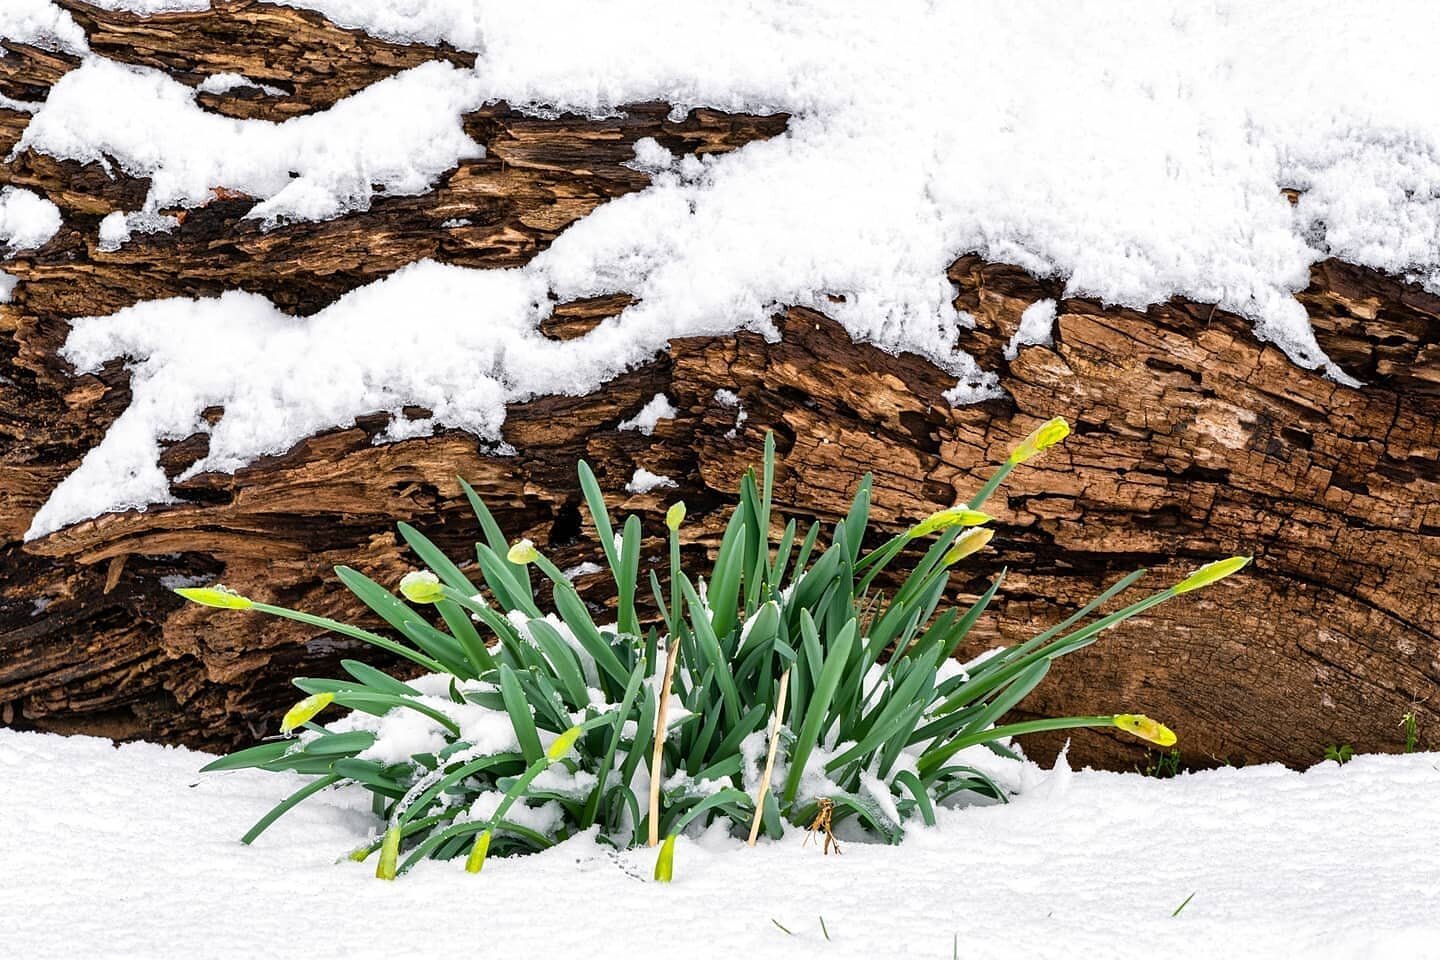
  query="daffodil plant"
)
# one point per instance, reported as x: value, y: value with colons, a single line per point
x: 824, y: 664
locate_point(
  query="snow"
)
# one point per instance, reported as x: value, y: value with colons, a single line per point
x: 116, y: 228
x: 225, y: 82
x: 22, y: 106
x: 643, y: 481
x: 582, y: 569
x: 728, y: 398
x: 1037, y: 327
x: 1132, y: 178
x: 129, y: 852
x: 398, y: 135
x: 658, y: 408
x: 27, y: 220
x: 41, y: 24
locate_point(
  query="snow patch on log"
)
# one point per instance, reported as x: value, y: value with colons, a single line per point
x: 41, y: 24
x: 1037, y: 328
x: 396, y: 136
x: 27, y: 220
x: 658, y: 408
x: 1135, y: 178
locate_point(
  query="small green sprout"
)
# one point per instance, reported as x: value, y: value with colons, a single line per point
x: 665, y: 862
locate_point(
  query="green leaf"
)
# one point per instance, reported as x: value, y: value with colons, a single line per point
x: 250, y: 757
x: 434, y: 558
x: 334, y: 744
x: 632, y: 689
x: 495, y: 539
x: 564, y: 662
x: 284, y: 806
x: 816, y: 714
x: 377, y: 679
x: 477, y: 654
x: 572, y: 610
x: 520, y: 717
x: 724, y: 594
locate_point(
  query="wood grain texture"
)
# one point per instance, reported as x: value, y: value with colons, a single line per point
x: 1192, y: 441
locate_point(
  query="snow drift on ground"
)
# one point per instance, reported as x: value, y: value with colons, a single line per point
x: 130, y: 853
x: 1136, y: 149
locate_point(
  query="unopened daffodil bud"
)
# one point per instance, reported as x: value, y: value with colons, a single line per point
x: 303, y: 711
x: 945, y: 519
x: 675, y: 515
x: 421, y: 586
x: 665, y: 863
x: 216, y: 596
x: 522, y: 553
x: 476, y: 861
x: 1046, y: 435
x: 1208, y: 574
x: 1145, y: 728
x: 971, y: 541
x: 563, y: 744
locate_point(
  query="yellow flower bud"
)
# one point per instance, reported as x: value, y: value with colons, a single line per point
x: 304, y: 710
x: 421, y: 586
x: 1046, y: 435
x: 1208, y: 574
x: 216, y: 596
x: 971, y: 541
x: 1145, y: 728
x: 523, y: 552
x: 665, y: 863
x: 563, y: 744
x: 675, y: 515
x: 945, y: 519
x: 389, y: 855
x: 476, y: 861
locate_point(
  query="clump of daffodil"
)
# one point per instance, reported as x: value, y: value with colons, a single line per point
x: 952, y: 517
x: 1046, y: 435
x: 523, y: 552
x: 1208, y: 574
x: 576, y: 693
x: 421, y: 586
x: 971, y: 541
x: 304, y: 711
x: 1146, y: 729
x: 216, y: 596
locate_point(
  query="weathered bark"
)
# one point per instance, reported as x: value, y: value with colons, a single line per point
x: 1192, y: 441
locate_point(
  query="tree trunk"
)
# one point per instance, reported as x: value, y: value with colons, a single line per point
x: 1192, y: 441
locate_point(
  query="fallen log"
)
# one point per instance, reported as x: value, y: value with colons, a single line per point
x: 1192, y: 440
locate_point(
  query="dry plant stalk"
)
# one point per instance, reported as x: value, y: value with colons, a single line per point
x: 821, y: 824
x: 660, y: 717
x: 770, y: 759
